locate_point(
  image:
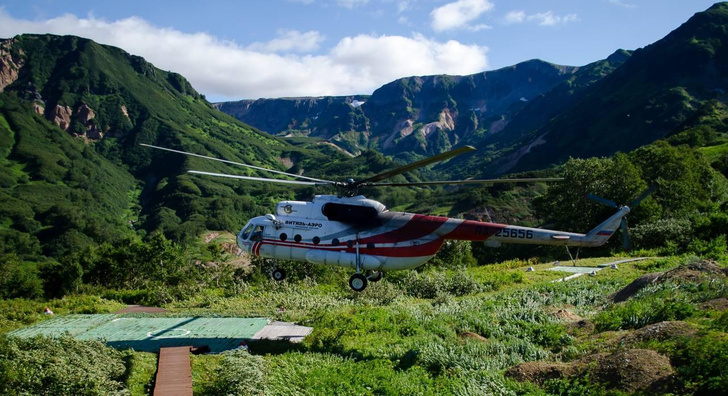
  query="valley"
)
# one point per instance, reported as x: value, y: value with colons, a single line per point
x: 92, y: 221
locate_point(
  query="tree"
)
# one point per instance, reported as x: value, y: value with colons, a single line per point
x: 564, y: 204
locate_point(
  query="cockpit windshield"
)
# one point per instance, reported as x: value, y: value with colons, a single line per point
x: 245, y: 233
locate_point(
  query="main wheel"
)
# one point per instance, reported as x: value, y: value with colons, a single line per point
x: 358, y: 282
x: 279, y: 274
x: 373, y: 276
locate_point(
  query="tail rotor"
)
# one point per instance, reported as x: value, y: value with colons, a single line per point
x: 623, y: 225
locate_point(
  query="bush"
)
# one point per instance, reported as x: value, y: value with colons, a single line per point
x: 640, y: 312
x: 239, y: 373
x: 61, y: 366
x: 432, y: 284
x: 19, y: 279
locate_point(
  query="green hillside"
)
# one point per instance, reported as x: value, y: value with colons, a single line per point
x: 675, y: 84
x: 130, y: 186
x: 91, y: 221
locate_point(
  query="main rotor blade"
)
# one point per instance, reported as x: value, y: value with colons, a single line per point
x: 601, y: 200
x: 642, y: 196
x: 415, y: 165
x: 459, y: 182
x: 234, y: 163
x: 263, y: 179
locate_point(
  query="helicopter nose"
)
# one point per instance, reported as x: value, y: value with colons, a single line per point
x: 243, y: 244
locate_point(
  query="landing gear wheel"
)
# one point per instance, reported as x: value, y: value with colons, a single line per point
x: 358, y: 282
x: 279, y: 274
x: 373, y: 276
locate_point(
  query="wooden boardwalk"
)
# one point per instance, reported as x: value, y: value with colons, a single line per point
x: 174, y: 372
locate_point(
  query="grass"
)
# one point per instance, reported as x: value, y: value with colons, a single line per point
x: 398, y: 338
x: 142, y: 367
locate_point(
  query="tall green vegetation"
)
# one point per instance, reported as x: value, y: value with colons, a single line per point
x: 687, y: 211
x: 63, y: 366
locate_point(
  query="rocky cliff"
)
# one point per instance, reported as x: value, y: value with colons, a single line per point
x: 421, y: 115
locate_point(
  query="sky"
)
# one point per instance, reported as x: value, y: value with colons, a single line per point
x: 249, y: 49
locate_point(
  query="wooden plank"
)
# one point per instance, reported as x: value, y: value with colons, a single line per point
x: 174, y: 372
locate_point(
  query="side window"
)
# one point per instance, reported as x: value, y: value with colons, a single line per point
x: 257, y: 233
x: 244, y: 234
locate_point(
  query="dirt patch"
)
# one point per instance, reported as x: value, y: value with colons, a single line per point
x: 209, y: 237
x: 141, y: 309
x: 627, y: 370
x: 700, y: 271
x: 566, y: 315
x: 659, y: 332
x: 632, y: 370
x: 540, y: 372
x: 469, y: 335
x: 583, y: 326
x: 695, y: 272
x: 719, y: 304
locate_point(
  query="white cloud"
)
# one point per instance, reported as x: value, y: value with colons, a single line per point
x: 623, y: 4
x: 548, y: 18
x: 351, y: 3
x: 458, y: 14
x: 515, y: 16
x: 479, y: 27
x: 224, y: 70
x: 404, y: 5
x: 290, y: 40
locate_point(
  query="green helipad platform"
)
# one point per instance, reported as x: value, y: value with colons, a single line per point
x: 151, y: 333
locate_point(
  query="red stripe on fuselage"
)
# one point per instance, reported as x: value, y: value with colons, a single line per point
x: 470, y: 230
x: 417, y: 227
x: 406, y: 249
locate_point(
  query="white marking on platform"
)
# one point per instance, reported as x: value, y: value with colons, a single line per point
x: 283, y: 331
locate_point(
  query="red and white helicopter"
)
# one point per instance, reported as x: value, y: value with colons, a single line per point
x: 351, y: 231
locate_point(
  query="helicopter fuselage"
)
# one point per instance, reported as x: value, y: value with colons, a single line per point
x: 360, y: 233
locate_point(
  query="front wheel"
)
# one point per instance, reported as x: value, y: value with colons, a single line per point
x: 279, y: 274
x: 358, y: 282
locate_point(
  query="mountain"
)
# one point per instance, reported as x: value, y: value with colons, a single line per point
x: 531, y: 115
x: 72, y: 173
x: 422, y: 115
x: 675, y: 84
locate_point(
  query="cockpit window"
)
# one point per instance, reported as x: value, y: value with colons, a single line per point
x: 258, y: 233
x: 245, y: 233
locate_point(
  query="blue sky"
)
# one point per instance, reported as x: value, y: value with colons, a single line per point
x: 250, y: 49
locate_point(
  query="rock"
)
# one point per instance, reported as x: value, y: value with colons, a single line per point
x: 61, y: 116
x: 9, y: 67
x: 38, y: 108
x: 85, y: 114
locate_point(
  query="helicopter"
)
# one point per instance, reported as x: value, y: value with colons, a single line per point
x: 352, y: 231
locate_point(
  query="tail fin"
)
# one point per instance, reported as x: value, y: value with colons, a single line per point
x: 601, y: 233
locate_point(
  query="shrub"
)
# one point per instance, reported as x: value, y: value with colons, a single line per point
x: 239, y: 373
x: 61, y: 366
x: 646, y: 310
